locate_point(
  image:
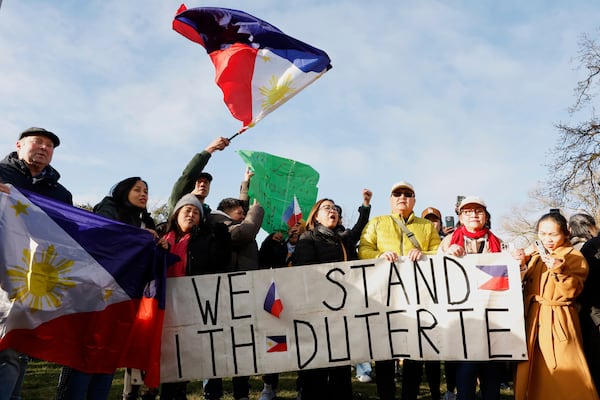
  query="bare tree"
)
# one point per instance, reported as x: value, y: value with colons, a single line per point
x: 588, y: 58
x: 86, y: 206
x: 160, y: 213
x: 519, y: 226
x: 575, y: 168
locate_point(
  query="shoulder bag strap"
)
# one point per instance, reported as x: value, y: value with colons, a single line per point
x: 408, y: 233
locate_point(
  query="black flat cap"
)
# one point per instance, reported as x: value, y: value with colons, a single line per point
x: 40, y: 132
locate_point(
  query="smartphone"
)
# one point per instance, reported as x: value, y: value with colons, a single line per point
x: 540, y: 248
x: 449, y: 221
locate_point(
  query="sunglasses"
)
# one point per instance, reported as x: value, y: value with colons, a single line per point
x: 403, y: 193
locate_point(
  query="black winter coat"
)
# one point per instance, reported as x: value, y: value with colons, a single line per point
x: 322, y: 245
x: 127, y: 214
x: 272, y: 253
x: 15, y: 172
x: 209, y: 249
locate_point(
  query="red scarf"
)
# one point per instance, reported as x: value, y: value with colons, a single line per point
x: 178, y: 248
x: 458, y: 237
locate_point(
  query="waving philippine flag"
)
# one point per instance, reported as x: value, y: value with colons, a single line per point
x: 258, y: 67
x: 79, y: 289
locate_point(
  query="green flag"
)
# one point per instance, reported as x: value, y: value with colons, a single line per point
x: 275, y: 182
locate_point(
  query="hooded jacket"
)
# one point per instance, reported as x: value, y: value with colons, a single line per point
x: 127, y: 214
x: 243, y: 237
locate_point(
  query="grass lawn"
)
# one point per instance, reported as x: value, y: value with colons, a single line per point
x: 41, y: 378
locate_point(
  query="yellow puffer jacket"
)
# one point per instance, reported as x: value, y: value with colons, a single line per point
x: 383, y: 234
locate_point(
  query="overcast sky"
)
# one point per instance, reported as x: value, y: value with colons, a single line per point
x: 456, y: 97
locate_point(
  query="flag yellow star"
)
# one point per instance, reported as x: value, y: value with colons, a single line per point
x: 20, y: 208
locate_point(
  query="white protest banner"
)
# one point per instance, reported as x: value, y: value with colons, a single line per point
x: 440, y: 308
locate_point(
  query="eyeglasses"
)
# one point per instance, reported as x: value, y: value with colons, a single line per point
x: 329, y: 208
x: 473, y: 211
x: 403, y: 193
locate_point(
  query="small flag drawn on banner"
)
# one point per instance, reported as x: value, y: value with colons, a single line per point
x: 273, y: 303
x: 276, y: 344
x: 499, y: 277
x: 292, y: 213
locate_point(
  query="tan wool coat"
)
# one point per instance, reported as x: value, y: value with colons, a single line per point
x: 556, y: 368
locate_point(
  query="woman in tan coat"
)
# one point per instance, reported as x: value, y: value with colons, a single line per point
x: 553, y: 277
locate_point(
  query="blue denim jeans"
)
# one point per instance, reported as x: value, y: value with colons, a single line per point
x: 12, y: 370
x: 488, y: 372
x: 363, y: 368
x: 80, y: 385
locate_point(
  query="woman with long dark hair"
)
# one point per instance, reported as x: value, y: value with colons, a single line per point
x: 127, y: 203
x: 322, y: 243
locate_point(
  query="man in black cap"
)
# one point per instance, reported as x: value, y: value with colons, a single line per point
x: 193, y: 179
x: 27, y: 168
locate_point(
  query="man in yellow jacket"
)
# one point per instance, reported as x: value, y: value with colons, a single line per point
x: 401, y: 233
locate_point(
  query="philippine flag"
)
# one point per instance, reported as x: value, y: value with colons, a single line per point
x: 499, y: 277
x: 80, y: 290
x: 258, y: 67
x: 276, y: 344
x: 273, y: 303
x: 292, y: 214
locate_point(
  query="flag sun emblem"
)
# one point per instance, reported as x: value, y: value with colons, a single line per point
x: 280, y: 89
x: 41, y: 280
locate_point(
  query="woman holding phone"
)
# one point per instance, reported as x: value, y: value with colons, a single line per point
x: 553, y: 276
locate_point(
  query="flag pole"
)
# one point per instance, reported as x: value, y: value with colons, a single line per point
x: 237, y: 133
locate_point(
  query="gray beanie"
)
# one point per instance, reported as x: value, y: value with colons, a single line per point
x: 189, y: 199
